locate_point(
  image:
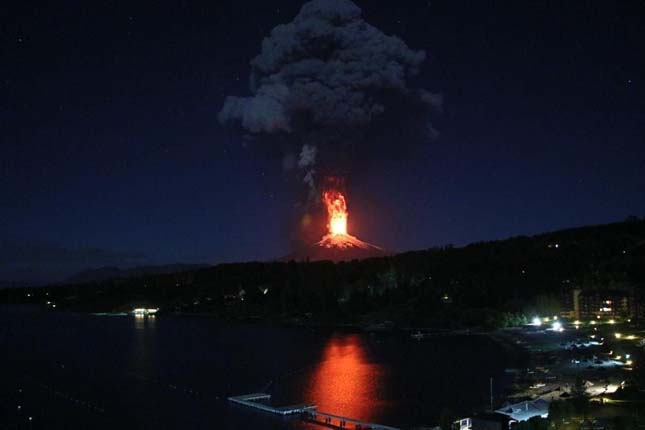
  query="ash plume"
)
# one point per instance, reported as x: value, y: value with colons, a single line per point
x: 322, y: 81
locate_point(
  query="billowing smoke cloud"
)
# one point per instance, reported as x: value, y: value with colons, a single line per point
x: 322, y: 80
x: 329, y: 89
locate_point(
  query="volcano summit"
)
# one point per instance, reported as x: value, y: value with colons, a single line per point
x: 337, y: 247
x: 337, y: 244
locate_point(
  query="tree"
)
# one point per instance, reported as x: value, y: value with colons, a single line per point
x: 638, y: 375
x: 511, y: 319
x: 546, y: 305
x: 559, y: 410
x: 535, y: 423
x: 447, y: 420
x: 579, y: 397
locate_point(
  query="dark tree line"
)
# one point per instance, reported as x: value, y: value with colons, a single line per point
x: 491, y: 283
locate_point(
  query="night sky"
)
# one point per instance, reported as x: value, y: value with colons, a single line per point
x: 111, y: 152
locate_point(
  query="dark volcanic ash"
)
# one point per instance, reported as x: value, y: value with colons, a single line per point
x: 321, y: 81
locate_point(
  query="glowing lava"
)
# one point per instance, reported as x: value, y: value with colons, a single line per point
x: 337, y: 236
x: 337, y: 244
x: 337, y: 212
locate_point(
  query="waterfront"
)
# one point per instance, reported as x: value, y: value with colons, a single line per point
x: 79, y: 371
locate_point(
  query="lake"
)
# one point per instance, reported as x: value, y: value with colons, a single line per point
x: 70, y: 370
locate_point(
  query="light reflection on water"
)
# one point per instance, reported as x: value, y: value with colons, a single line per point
x: 144, y: 322
x: 142, y: 349
x: 346, y: 382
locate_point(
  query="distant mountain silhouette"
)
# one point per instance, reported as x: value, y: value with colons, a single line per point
x: 106, y: 273
x: 14, y: 284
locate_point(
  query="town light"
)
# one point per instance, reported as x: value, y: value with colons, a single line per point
x: 618, y: 335
x: 557, y: 326
x: 144, y: 311
x: 537, y: 321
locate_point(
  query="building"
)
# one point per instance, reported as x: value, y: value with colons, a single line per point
x: 144, y: 311
x: 526, y: 410
x: 609, y: 304
x: 463, y: 424
x: 492, y: 421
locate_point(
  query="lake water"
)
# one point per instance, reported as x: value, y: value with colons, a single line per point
x: 71, y: 371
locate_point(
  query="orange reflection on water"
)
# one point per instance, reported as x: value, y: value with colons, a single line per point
x: 346, y: 383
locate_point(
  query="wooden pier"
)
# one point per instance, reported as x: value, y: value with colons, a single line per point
x: 339, y: 422
x: 252, y: 401
x: 308, y: 412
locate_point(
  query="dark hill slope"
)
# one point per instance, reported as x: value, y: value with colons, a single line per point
x: 505, y: 275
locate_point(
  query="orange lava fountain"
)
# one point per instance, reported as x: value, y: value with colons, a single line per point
x: 336, y: 244
x: 337, y: 236
x: 337, y: 212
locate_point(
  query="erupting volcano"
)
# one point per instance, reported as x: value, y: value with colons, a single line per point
x: 328, y: 89
x: 337, y: 244
x: 337, y: 236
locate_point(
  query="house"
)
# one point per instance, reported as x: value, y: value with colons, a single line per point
x: 523, y: 411
x: 491, y: 421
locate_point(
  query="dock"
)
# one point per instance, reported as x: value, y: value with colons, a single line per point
x: 340, y: 422
x: 308, y: 412
x: 253, y: 401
